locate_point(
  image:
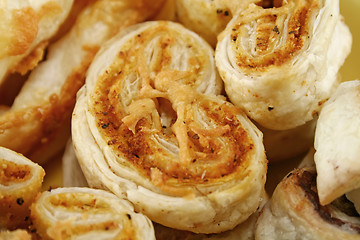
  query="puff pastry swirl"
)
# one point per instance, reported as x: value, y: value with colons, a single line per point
x: 85, y: 213
x: 294, y: 212
x: 149, y: 126
x: 20, y: 182
x: 280, y: 64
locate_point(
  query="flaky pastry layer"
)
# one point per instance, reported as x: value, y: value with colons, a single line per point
x: 150, y: 126
x: 280, y: 64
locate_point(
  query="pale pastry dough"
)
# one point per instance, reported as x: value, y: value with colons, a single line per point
x: 25, y: 26
x: 294, y: 212
x: 208, y: 18
x: 337, y: 143
x: 281, y: 145
x: 244, y: 231
x: 149, y: 126
x: 85, y: 213
x: 20, y: 182
x: 281, y: 64
x: 42, y: 110
x: 18, y: 234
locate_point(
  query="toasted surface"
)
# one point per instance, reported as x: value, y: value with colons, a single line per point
x: 41, y: 111
x: 85, y: 213
x: 158, y: 133
x: 280, y: 64
x: 20, y: 182
x: 24, y: 27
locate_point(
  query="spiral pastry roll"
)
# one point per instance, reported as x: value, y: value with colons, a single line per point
x: 294, y: 212
x: 337, y: 143
x: 280, y: 64
x: 149, y: 126
x: 37, y: 124
x: 25, y: 27
x: 85, y: 213
x: 20, y: 182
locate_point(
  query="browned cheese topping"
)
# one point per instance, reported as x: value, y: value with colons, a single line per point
x: 281, y: 31
x: 204, y: 139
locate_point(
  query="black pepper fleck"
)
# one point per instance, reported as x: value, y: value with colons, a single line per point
x: 20, y: 201
x: 276, y: 29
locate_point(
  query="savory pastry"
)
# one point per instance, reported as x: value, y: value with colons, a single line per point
x: 149, y: 126
x: 294, y: 212
x: 37, y: 124
x: 337, y: 143
x: 244, y: 231
x: 25, y: 28
x: 20, y: 182
x: 18, y: 234
x: 85, y: 213
x: 207, y: 18
x: 281, y: 145
x: 280, y: 64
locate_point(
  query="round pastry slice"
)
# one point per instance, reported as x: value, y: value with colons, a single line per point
x: 149, y: 126
x: 85, y: 213
x: 280, y: 64
x: 294, y: 212
x: 25, y: 26
x: 337, y: 143
x: 20, y: 182
x: 37, y: 124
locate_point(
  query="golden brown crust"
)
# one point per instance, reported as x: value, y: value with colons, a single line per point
x: 154, y: 124
x: 20, y: 182
x: 21, y: 32
x: 280, y: 64
x: 36, y: 125
x: 87, y: 213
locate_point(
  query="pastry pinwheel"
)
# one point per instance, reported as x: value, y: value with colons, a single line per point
x: 281, y: 63
x: 85, y: 213
x: 149, y: 125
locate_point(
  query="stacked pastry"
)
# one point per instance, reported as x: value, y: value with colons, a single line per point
x: 149, y: 126
x: 280, y: 64
x: 172, y: 119
x: 321, y: 200
x: 38, y: 121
